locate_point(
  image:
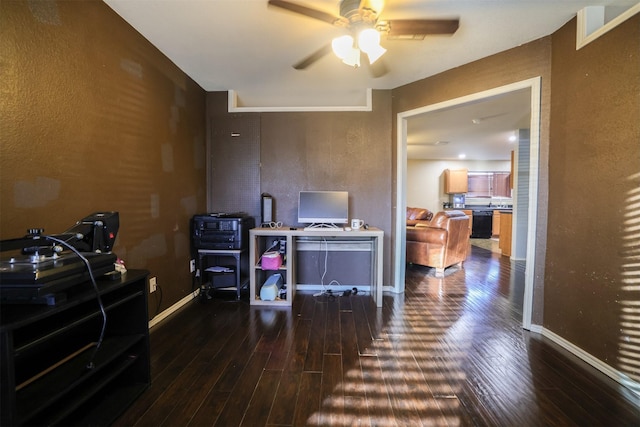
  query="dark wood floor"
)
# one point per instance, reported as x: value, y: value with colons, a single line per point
x: 448, y: 352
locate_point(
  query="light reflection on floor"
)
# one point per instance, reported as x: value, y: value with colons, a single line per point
x: 421, y: 353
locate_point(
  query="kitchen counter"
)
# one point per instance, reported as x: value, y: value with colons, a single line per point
x: 481, y: 208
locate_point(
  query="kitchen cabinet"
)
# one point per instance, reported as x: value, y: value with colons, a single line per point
x: 495, y: 228
x: 455, y: 181
x: 505, y: 233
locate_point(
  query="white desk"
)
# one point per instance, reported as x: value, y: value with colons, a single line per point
x: 261, y: 238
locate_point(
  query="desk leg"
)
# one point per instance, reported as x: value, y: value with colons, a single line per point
x: 377, y: 290
x: 238, y: 273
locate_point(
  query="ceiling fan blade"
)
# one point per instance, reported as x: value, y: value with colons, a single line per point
x: 301, y: 65
x: 306, y: 11
x: 377, y: 5
x: 403, y: 28
x: 378, y: 68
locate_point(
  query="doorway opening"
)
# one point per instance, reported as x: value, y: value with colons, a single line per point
x: 524, y: 235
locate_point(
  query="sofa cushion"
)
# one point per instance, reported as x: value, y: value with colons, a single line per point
x: 416, y: 215
x: 440, y: 220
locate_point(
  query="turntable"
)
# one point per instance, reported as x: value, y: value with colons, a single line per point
x: 38, y: 268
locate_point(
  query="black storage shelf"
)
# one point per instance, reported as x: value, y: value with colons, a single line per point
x: 236, y: 277
x: 86, y: 391
x: 37, y: 397
x: 46, y: 352
x: 33, y: 342
x: 105, y: 411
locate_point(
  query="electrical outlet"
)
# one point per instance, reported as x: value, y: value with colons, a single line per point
x: 153, y: 285
x: 192, y: 265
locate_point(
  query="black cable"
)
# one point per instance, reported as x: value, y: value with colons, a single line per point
x: 90, y: 365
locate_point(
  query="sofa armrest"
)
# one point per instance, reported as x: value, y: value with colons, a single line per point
x: 427, y: 234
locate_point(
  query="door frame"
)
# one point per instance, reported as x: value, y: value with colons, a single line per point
x: 534, y: 84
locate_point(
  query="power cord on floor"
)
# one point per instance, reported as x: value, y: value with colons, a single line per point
x: 332, y: 295
x: 325, y: 288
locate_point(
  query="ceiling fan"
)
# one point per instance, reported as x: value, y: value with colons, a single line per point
x: 361, y: 19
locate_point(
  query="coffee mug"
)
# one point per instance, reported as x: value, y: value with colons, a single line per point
x: 356, y: 224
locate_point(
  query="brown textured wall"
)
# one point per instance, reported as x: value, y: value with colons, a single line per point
x: 594, y: 163
x: 234, y: 159
x: 95, y: 118
x: 521, y: 63
x: 319, y: 151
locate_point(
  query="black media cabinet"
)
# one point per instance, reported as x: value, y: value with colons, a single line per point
x: 45, y: 352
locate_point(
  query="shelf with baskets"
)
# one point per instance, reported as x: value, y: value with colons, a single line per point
x: 278, y: 246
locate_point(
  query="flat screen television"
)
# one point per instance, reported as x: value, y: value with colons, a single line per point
x: 323, y: 207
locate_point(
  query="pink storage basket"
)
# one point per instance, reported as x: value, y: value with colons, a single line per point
x: 271, y: 261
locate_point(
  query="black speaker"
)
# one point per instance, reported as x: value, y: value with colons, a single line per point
x: 266, y: 208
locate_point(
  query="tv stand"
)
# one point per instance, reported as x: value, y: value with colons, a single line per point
x: 261, y: 239
x: 50, y: 374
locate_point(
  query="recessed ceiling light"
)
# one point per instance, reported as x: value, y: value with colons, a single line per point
x: 512, y: 138
x: 462, y: 156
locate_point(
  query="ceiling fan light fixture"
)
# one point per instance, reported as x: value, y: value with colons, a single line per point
x: 365, y: 15
x: 353, y: 58
x: 376, y: 54
x: 368, y: 40
x: 342, y: 46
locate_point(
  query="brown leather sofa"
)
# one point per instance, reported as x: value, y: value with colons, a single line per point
x: 439, y: 243
x: 417, y: 216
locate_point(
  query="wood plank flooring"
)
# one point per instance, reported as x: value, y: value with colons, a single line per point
x: 447, y: 352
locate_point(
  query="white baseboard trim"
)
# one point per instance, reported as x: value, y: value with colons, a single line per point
x: 363, y: 288
x: 620, y: 377
x: 169, y: 311
x: 392, y: 290
x: 178, y: 305
x: 536, y: 328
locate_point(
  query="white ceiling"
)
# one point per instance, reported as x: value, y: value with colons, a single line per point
x: 478, y: 130
x: 248, y: 47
